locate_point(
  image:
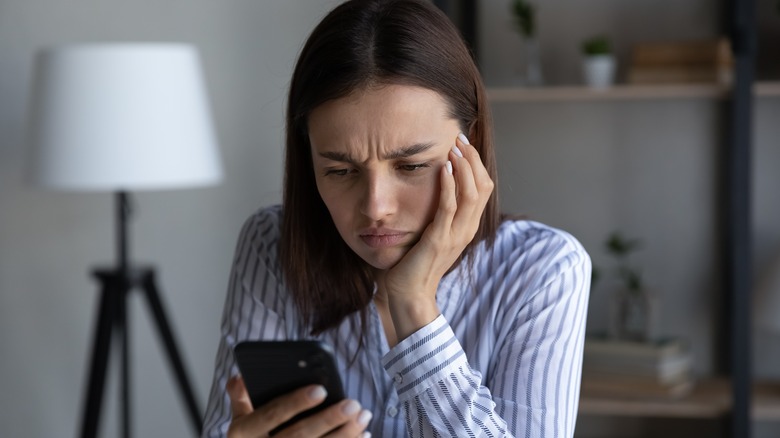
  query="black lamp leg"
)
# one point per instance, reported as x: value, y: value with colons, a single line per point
x: 123, y: 335
x: 164, y: 328
x: 107, y: 313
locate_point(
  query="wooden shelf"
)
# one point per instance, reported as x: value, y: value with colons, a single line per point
x: 709, y: 399
x: 623, y: 92
x: 767, y: 88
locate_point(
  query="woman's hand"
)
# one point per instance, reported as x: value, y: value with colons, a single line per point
x: 343, y: 419
x: 411, y: 285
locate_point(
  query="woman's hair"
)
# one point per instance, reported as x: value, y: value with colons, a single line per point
x: 360, y: 44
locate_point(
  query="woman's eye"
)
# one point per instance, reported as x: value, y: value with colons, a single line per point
x: 337, y: 172
x: 412, y: 167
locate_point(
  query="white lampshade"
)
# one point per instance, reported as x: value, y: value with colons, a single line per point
x: 767, y: 298
x: 111, y: 117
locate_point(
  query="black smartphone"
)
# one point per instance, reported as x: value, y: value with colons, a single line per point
x: 274, y: 368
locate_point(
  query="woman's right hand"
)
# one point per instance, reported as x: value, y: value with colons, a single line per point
x: 343, y: 419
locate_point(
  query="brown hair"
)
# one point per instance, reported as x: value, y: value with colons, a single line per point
x: 359, y: 44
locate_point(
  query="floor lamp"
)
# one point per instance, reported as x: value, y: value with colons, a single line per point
x: 116, y: 118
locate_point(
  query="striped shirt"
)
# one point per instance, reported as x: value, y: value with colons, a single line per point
x: 503, y: 358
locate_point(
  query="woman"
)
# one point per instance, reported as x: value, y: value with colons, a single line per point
x: 445, y: 320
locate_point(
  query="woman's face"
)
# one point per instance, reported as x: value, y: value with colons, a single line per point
x: 378, y: 156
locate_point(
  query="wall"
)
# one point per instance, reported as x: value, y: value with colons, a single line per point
x: 50, y: 241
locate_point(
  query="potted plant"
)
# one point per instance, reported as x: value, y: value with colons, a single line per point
x: 632, y: 306
x: 524, y: 14
x: 598, y: 62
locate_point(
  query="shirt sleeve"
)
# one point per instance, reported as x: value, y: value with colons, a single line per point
x: 253, y: 310
x: 534, y: 390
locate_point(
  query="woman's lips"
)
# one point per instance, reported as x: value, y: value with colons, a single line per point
x: 383, y: 239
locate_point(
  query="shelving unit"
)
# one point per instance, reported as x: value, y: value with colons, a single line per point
x: 710, y: 399
x: 735, y: 398
x: 738, y: 399
x: 624, y: 92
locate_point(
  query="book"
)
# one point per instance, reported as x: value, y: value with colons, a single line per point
x: 662, y: 361
x: 602, y: 346
x: 679, y: 74
x: 663, y: 371
x: 698, y: 61
x: 634, y: 387
x: 683, y: 53
x: 666, y: 373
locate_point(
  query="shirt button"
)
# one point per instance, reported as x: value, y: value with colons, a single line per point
x: 392, y: 411
x: 398, y: 378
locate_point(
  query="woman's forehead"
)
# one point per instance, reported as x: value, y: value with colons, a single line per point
x: 389, y: 107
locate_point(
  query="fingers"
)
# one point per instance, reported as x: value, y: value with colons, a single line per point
x: 344, y: 419
x: 474, y: 187
x: 248, y: 422
x: 448, y: 203
x: 482, y: 178
x: 355, y: 427
x: 239, y: 398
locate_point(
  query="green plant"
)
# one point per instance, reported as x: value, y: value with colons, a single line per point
x: 525, y: 17
x: 597, y: 45
x: 620, y: 248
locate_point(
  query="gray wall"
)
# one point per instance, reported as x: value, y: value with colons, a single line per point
x: 49, y: 241
x: 647, y: 168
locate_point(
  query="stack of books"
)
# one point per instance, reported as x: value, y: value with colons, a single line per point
x: 637, y: 369
x: 707, y: 61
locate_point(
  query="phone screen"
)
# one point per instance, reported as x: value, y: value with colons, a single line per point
x: 274, y: 368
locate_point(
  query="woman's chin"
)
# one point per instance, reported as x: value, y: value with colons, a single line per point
x: 384, y: 261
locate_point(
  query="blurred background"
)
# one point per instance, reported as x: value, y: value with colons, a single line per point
x: 644, y: 166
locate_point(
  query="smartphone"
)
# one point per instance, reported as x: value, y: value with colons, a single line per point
x: 274, y: 368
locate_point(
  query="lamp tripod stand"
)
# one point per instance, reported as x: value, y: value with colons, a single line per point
x: 112, y: 325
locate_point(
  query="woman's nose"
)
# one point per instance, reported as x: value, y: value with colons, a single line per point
x: 378, y: 197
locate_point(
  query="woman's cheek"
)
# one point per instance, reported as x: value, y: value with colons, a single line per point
x: 426, y: 194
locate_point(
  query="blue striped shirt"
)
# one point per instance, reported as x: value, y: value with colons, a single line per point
x: 503, y: 358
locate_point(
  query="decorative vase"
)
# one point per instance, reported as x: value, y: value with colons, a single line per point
x: 532, y: 63
x: 632, y: 315
x: 599, y: 70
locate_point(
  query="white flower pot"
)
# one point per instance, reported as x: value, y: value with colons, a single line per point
x: 599, y: 70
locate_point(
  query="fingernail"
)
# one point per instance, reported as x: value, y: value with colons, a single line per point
x: 449, y: 167
x: 351, y: 407
x: 318, y: 393
x: 364, y: 417
x: 463, y: 138
x: 457, y: 151
x: 366, y: 435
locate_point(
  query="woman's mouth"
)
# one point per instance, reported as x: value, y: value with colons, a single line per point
x: 383, y: 238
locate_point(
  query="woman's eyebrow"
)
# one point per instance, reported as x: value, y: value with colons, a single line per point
x: 405, y: 152
x: 408, y: 151
x: 337, y: 156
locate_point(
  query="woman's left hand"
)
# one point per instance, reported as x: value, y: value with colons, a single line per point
x: 412, y: 283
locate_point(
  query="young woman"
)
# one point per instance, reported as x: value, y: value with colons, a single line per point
x: 445, y: 320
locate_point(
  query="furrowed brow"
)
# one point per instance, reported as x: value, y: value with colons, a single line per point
x: 408, y: 151
x: 337, y: 156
